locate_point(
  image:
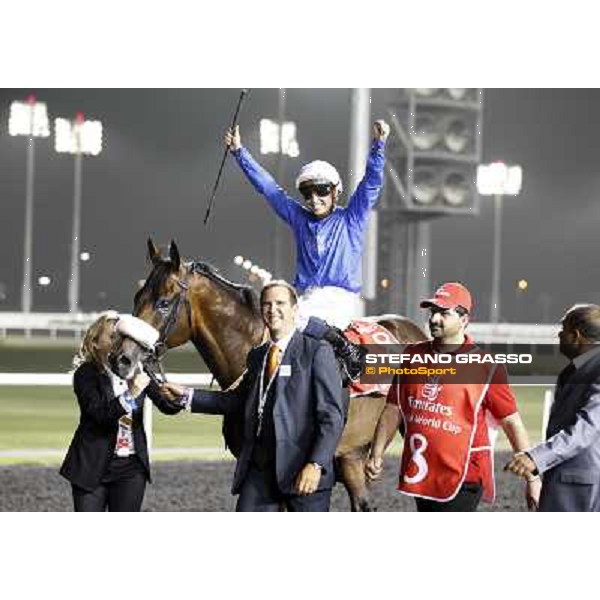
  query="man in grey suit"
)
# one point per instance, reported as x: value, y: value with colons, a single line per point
x: 570, y: 457
x: 293, y: 413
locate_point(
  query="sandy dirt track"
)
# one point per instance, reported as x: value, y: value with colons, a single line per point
x: 205, y: 486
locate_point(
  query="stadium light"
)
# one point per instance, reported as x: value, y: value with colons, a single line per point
x: 458, y: 93
x: 434, y: 153
x: 77, y: 137
x: 498, y: 179
x: 30, y: 119
x: 252, y: 270
x: 276, y: 141
x: 426, y: 134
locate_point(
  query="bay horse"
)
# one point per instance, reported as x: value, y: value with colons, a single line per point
x: 190, y: 301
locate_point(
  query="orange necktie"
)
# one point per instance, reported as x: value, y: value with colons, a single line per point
x: 273, y: 359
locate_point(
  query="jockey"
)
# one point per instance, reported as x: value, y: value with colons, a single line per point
x: 329, y: 238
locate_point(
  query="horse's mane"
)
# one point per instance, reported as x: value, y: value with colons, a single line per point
x: 162, y: 269
x: 245, y: 292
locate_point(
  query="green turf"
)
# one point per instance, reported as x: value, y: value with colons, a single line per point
x: 530, y: 402
x: 186, y: 430
x: 46, y: 417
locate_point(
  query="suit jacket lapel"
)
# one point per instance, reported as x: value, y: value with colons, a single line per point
x: 581, y: 376
x: 256, y: 365
x: 106, y: 383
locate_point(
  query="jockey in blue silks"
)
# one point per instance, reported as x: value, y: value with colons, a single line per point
x: 329, y: 238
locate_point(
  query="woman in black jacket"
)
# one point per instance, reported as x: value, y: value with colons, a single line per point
x: 107, y: 461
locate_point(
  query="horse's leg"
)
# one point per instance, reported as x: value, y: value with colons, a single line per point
x: 351, y: 472
x: 353, y: 448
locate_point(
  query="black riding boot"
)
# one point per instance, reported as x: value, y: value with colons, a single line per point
x: 351, y: 356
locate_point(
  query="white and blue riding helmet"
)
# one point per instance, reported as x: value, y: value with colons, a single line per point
x: 319, y: 171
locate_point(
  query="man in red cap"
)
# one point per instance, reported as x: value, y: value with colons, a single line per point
x: 447, y: 461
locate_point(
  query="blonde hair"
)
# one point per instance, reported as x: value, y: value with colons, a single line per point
x: 88, y: 351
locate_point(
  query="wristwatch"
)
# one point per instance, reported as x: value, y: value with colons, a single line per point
x: 317, y: 466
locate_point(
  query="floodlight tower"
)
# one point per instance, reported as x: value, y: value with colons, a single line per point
x: 498, y: 180
x: 279, y: 137
x: 431, y: 159
x: 77, y: 137
x: 29, y: 118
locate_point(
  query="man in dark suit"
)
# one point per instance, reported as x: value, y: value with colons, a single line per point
x: 291, y: 398
x: 570, y: 457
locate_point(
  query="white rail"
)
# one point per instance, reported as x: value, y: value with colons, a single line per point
x: 75, y: 324
x: 66, y: 379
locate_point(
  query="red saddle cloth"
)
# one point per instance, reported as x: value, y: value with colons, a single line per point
x: 367, y: 332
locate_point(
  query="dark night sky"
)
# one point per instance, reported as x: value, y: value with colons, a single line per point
x: 161, y: 153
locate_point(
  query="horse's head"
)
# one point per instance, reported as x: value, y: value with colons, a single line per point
x: 135, y: 342
x: 191, y: 301
x: 163, y: 300
x: 163, y: 303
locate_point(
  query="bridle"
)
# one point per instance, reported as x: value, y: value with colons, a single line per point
x: 173, y: 316
x: 152, y: 359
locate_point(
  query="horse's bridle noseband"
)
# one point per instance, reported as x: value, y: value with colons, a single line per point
x: 152, y: 360
x: 172, y: 317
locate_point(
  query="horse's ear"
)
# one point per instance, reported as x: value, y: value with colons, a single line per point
x: 174, y: 255
x: 153, y: 253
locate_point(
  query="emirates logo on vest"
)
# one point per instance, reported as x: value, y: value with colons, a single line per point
x: 431, y: 391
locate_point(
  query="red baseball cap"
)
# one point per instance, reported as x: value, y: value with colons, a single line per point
x: 450, y: 295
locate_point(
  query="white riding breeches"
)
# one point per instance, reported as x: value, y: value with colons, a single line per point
x: 335, y: 305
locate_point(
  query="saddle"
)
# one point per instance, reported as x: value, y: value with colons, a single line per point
x: 368, y: 332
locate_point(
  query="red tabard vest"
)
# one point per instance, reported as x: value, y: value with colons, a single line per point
x: 439, y: 420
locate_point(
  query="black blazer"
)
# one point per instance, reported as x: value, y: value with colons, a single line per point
x: 93, y: 444
x: 308, y: 411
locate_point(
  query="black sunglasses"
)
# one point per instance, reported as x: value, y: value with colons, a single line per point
x: 320, y: 189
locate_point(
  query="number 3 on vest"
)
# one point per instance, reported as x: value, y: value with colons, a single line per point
x: 418, y: 444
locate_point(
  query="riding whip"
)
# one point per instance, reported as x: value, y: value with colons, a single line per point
x: 233, y: 125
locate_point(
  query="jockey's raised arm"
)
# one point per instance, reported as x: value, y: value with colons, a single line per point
x: 367, y: 192
x: 262, y: 181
